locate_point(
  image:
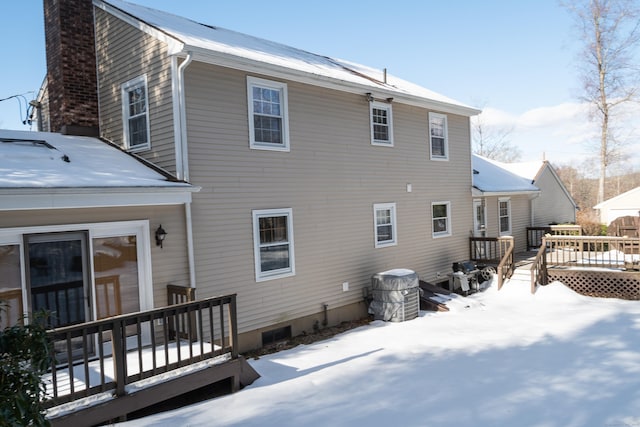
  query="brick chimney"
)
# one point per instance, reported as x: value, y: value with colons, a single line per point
x: 71, y: 67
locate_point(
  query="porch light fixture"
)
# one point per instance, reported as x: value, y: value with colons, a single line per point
x: 160, y: 236
x: 369, y: 96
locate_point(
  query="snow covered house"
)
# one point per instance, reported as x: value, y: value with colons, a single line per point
x: 314, y: 173
x: 502, y: 202
x: 625, y: 204
x: 554, y: 204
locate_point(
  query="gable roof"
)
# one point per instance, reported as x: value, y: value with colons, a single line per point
x: 627, y: 200
x: 48, y: 170
x: 490, y: 178
x: 529, y: 170
x: 236, y: 50
x: 534, y: 170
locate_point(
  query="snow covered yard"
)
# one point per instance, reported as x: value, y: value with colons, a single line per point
x: 507, y: 358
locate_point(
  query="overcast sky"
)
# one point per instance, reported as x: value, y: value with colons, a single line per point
x: 515, y: 60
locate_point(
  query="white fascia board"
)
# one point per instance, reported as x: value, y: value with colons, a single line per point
x: 479, y: 193
x: 30, y: 199
x: 272, y: 70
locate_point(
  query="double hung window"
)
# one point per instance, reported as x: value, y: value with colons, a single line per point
x: 268, y: 114
x: 504, y: 216
x: 381, y: 124
x: 135, y: 112
x: 385, y: 224
x: 438, y: 141
x: 273, y: 243
x: 440, y: 215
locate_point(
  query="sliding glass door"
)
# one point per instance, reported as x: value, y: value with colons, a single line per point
x: 58, y: 279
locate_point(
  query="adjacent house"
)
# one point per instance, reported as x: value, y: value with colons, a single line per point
x: 554, y: 205
x: 502, y: 202
x: 313, y: 173
x: 625, y: 204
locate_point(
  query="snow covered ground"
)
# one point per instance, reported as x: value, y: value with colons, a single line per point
x: 498, y: 358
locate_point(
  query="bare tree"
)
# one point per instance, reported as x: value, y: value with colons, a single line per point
x: 609, y: 30
x: 493, y: 142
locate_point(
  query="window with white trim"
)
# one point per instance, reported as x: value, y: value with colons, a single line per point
x: 135, y: 114
x: 438, y: 140
x: 441, y: 219
x: 385, y: 224
x: 381, y: 124
x: 504, y: 216
x: 268, y: 114
x: 273, y: 243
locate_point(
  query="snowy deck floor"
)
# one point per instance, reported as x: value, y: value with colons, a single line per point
x: 81, y: 381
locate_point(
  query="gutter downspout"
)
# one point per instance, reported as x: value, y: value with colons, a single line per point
x: 182, y: 157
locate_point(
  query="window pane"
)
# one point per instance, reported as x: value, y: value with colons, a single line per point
x: 439, y: 225
x: 10, y: 286
x: 267, y: 129
x: 437, y: 146
x: 138, y: 131
x: 385, y: 233
x: 115, y: 261
x: 504, y: 224
x: 273, y: 229
x: 439, y: 211
x: 274, y: 258
x: 383, y: 216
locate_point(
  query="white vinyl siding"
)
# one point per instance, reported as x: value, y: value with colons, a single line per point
x: 385, y: 224
x: 381, y: 124
x: 504, y: 216
x: 273, y: 243
x: 441, y: 218
x: 135, y: 114
x: 438, y: 137
x: 268, y: 114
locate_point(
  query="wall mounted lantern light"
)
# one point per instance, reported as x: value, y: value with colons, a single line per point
x: 160, y: 236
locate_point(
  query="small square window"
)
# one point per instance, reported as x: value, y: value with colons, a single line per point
x: 441, y: 218
x: 273, y: 243
x: 385, y: 224
x: 438, y: 141
x: 268, y: 122
x: 135, y: 113
x: 381, y: 124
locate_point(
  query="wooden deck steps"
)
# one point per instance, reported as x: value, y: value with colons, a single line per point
x: 432, y: 297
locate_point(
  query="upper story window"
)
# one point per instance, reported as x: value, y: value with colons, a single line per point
x: 441, y: 217
x: 438, y: 140
x: 273, y: 243
x: 135, y: 114
x: 385, y: 224
x: 381, y: 124
x: 268, y: 114
x: 504, y: 216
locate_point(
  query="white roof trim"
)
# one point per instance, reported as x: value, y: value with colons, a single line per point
x: 30, y: 199
x: 246, y: 64
x: 179, y: 47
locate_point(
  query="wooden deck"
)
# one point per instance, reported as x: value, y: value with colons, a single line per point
x: 106, y: 369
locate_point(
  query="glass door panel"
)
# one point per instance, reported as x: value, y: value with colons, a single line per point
x: 58, y: 277
x: 115, y: 262
x: 11, y: 309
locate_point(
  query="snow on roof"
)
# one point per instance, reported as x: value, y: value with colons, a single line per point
x: 528, y: 170
x: 216, y: 42
x: 629, y: 199
x: 490, y: 177
x: 50, y: 160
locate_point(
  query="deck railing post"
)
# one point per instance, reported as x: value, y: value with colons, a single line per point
x: 119, y: 357
x: 233, y: 324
